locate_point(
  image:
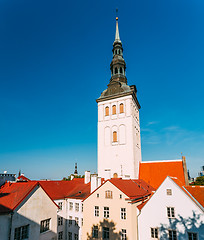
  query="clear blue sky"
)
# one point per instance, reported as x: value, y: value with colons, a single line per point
x: 54, y: 63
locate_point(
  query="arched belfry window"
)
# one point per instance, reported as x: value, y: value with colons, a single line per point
x: 114, y: 109
x: 107, y: 111
x: 115, y: 136
x: 116, y: 70
x: 121, y: 70
x: 121, y: 108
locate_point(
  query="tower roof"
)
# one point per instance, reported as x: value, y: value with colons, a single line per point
x: 117, y: 36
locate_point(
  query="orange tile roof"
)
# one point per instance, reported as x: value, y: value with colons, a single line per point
x: 197, y: 192
x: 154, y: 173
x: 22, y: 178
x: 133, y: 188
x: 75, y: 188
x: 12, y: 194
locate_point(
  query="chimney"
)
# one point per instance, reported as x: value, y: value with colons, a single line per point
x: 107, y: 174
x: 99, y: 181
x: 72, y: 177
x: 94, y: 182
x: 87, y: 177
x: 185, y: 170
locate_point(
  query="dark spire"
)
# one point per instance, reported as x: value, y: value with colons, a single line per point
x: 75, y: 172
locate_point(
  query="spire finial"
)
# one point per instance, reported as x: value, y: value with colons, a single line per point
x: 117, y: 36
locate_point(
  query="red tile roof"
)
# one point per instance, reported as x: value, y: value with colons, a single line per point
x: 133, y: 188
x: 12, y: 194
x: 22, y: 178
x: 197, y: 192
x: 75, y: 188
x: 154, y: 173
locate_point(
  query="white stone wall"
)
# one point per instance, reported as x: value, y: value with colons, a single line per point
x: 36, y: 207
x: 188, y: 216
x: 121, y: 157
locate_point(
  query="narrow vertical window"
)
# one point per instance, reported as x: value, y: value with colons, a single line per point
x: 121, y: 108
x: 172, y: 235
x: 95, y: 232
x: 123, y: 213
x: 107, y: 111
x: 154, y: 233
x: 114, y: 109
x: 116, y: 70
x: 121, y: 70
x: 123, y: 234
x: 105, y: 233
x: 115, y: 139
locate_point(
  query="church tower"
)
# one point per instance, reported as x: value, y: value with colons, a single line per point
x: 119, y: 145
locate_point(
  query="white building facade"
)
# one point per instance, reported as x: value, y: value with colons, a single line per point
x: 172, y: 213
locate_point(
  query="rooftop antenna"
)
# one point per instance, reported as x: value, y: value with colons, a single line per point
x: 116, y: 13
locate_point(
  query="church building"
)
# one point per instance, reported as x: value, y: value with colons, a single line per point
x: 119, y: 145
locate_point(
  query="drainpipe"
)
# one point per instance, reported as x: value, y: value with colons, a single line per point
x: 66, y: 221
x: 138, y: 224
x: 10, y: 227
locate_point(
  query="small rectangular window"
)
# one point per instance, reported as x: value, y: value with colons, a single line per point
x: 82, y: 207
x: 69, y: 235
x: 96, y: 211
x: 169, y: 192
x: 105, y: 233
x: 60, y: 221
x: 60, y: 235
x: 45, y: 225
x: 95, y: 232
x: 60, y: 205
x: 70, y: 220
x: 108, y: 194
x: 123, y: 213
x: 77, y: 207
x: 82, y: 222
x: 172, y: 235
x: 192, y: 236
x: 76, y: 236
x: 170, y: 212
x: 76, y: 221
x: 123, y: 234
x: 97, y: 195
x: 21, y: 232
x: 70, y: 205
x: 106, y: 212
x: 154, y: 233
x: 120, y: 196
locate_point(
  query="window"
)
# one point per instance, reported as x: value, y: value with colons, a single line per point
x: 77, y: 207
x: 82, y: 222
x: 121, y: 108
x: 60, y: 205
x: 95, y: 232
x: 115, y: 139
x: 123, y: 234
x: 69, y: 235
x: 60, y: 235
x: 82, y: 207
x: 168, y: 191
x: 106, y: 212
x: 70, y: 220
x: 121, y: 196
x: 97, y: 195
x: 154, y: 232
x: 105, y: 233
x: 108, y: 194
x: 172, y: 235
x: 116, y: 70
x: 21, y: 232
x: 97, y: 211
x: 45, y: 225
x: 76, y: 221
x: 70, y: 205
x: 114, y: 109
x: 76, y: 236
x: 60, y: 221
x: 170, y: 212
x: 123, y: 213
x: 192, y: 236
x: 107, y: 111
x: 121, y: 70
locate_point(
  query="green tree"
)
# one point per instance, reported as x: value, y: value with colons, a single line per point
x: 199, y: 180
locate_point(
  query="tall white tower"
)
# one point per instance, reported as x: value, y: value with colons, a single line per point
x: 119, y: 145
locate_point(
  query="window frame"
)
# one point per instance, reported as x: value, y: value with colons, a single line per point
x: 108, y: 194
x: 21, y: 232
x: 60, y: 235
x: 106, y: 213
x: 59, y: 221
x: 95, y: 231
x: 121, y: 107
x: 114, y: 111
x: 123, y: 234
x: 171, y: 212
x: 115, y: 137
x: 105, y: 233
x: 154, y: 233
x: 60, y: 205
x: 45, y: 225
x: 77, y: 207
x: 172, y: 234
x: 192, y: 235
x: 96, y: 211
x: 123, y: 213
x: 107, y: 111
x: 71, y: 206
